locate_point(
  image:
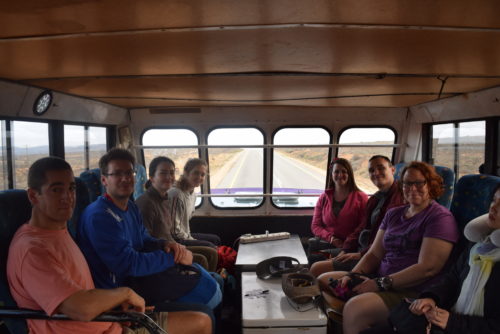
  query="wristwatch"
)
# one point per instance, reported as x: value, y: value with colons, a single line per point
x: 384, y: 283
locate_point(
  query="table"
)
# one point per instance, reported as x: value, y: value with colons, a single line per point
x: 265, y: 313
x: 251, y: 254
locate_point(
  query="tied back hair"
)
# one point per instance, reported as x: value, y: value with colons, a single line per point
x: 153, y: 166
x: 182, y: 183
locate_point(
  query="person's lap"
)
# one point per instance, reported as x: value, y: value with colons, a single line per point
x: 212, y: 238
x: 363, y: 311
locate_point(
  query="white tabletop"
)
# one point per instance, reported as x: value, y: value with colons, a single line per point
x: 251, y: 254
x: 272, y: 309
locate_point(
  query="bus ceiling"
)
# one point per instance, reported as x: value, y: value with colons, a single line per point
x: 156, y: 54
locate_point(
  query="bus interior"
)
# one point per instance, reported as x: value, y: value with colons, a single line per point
x: 268, y: 92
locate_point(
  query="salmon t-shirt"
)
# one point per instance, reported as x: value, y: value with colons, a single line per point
x: 44, y: 268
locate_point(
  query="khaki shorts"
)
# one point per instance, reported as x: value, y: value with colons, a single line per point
x: 393, y: 298
x: 159, y: 317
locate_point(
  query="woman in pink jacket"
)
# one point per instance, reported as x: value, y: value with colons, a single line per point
x: 339, y: 211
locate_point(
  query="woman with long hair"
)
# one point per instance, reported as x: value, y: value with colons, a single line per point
x: 182, y: 204
x: 338, y: 212
x: 155, y: 211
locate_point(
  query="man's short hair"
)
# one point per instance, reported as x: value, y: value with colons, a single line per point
x: 37, y: 174
x: 379, y: 156
x: 114, y: 154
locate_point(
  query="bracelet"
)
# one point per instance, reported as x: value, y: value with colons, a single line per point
x: 384, y: 283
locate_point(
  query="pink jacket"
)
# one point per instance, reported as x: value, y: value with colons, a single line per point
x: 325, y: 224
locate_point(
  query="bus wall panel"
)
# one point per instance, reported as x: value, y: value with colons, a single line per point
x: 230, y: 228
x: 17, y: 101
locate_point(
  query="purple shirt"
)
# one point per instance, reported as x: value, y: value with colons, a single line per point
x: 403, y: 237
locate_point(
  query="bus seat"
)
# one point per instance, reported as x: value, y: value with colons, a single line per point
x: 448, y: 181
x: 15, y: 210
x: 472, y: 198
x: 81, y: 202
x: 140, y: 180
x: 92, y: 179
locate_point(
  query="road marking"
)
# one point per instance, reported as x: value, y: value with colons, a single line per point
x: 235, y: 176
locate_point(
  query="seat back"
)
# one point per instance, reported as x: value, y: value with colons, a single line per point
x: 81, y: 202
x: 472, y: 197
x: 448, y: 182
x: 15, y: 210
x: 140, y: 180
x: 92, y: 179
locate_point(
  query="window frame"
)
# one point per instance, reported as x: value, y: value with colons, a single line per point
x: 396, y: 138
x: 264, y: 162
x: 141, y: 138
x: 271, y: 164
x: 392, y: 157
x: 492, y: 136
x: 55, y: 131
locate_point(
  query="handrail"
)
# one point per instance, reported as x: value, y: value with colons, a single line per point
x: 257, y: 195
x: 264, y: 146
x: 112, y: 316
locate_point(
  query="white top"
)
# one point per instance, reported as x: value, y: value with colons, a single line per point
x: 181, y: 205
x: 272, y: 309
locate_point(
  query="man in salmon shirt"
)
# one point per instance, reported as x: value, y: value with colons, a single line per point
x: 47, y: 271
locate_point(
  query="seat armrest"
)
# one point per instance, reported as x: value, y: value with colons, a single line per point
x: 113, y: 316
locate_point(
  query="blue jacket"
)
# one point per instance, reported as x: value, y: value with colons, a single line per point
x: 117, y: 245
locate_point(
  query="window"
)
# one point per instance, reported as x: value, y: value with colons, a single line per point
x: 460, y: 146
x: 359, y: 156
x: 84, y: 146
x: 30, y: 141
x: 298, y: 170
x: 236, y: 170
x: 98, y: 144
x: 4, y: 173
x: 171, y: 137
x: 443, y: 145
x: 74, y: 147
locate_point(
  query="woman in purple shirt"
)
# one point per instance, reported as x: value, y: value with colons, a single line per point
x: 410, y: 251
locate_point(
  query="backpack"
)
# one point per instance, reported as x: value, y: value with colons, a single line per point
x: 227, y: 258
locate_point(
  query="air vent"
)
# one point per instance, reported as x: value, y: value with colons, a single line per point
x: 175, y: 111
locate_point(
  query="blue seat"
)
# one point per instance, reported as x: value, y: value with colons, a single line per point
x: 448, y: 181
x: 82, y: 201
x: 92, y: 179
x: 472, y: 197
x: 15, y: 210
x: 140, y: 181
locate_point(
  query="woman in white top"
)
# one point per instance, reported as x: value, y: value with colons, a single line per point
x: 182, y: 200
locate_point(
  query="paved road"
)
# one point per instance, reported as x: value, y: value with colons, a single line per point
x: 247, y: 172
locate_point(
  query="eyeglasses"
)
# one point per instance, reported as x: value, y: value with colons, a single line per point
x: 121, y: 174
x: 417, y: 184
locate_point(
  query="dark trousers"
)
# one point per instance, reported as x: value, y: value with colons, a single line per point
x: 202, y: 239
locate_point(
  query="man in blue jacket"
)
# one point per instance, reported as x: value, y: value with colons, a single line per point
x: 120, y: 252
